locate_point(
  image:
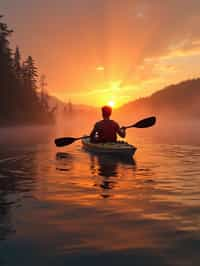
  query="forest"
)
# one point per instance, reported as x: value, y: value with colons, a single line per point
x: 23, y: 99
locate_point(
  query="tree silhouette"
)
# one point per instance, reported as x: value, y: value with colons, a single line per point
x: 19, y: 99
x: 17, y: 64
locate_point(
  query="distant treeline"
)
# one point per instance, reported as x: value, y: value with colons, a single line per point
x: 20, y: 99
x: 180, y: 101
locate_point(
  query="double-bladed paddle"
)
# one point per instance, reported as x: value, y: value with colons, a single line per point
x: 147, y: 122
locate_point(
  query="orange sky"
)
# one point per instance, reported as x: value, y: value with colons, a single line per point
x: 95, y: 51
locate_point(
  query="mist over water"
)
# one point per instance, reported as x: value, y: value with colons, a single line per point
x: 61, y: 206
x: 166, y: 130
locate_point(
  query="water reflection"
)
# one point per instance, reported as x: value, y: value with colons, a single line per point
x: 101, y: 171
x: 17, y: 180
x: 106, y: 167
x: 6, y: 227
x: 77, y: 203
x: 64, y: 161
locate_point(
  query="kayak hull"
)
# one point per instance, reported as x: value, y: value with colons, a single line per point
x: 112, y: 148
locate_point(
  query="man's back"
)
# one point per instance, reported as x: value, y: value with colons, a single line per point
x: 107, y: 130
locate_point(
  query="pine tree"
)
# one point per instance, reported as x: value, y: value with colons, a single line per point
x: 43, y: 94
x: 6, y: 74
x: 5, y: 51
x: 30, y: 74
x: 17, y: 64
x: 29, y: 78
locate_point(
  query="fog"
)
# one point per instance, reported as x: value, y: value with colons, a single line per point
x: 165, y: 131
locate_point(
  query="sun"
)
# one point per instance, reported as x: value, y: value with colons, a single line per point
x: 111, y: 103
x: 100, y: 68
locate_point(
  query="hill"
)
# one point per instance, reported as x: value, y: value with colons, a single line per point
x: 175, y: 101
x: 54, y: 101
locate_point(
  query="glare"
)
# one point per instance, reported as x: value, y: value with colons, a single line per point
x: 111, y: 103
x: 100, y: 68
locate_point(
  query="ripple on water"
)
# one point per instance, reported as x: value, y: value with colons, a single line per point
x: 79, y: 205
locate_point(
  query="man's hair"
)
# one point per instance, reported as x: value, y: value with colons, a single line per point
x: 106, y: 111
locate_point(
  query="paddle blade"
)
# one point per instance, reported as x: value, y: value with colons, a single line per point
x: 64, y: 141
x: 147, y: 122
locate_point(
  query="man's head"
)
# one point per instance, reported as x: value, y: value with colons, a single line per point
x: 106, y: 111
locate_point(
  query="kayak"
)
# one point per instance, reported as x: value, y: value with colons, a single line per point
x: 119, y: 148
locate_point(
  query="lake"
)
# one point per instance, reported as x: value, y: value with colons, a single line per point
x: 69, y: 207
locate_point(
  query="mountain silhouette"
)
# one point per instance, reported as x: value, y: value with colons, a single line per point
x: 175, y: 101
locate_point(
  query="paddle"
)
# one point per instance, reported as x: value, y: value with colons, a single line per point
x: 147, y: 122
x: 60, y: 142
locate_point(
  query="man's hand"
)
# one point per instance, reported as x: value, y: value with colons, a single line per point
x: 123, y: 128
x: 122, y: 132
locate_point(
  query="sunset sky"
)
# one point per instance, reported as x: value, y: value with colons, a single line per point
x: 96, y: 51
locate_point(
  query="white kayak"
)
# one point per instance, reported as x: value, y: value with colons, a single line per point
x: 119, y: 148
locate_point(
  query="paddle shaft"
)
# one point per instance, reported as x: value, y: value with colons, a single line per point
x: 83, y: 137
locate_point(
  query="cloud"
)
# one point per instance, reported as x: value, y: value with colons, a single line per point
x: 131, y: 40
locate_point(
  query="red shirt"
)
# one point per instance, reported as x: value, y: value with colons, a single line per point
x: 107, y: 131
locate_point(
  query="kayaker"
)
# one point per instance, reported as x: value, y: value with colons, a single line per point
x: 106, y: 130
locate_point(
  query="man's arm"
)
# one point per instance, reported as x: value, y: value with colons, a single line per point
x: 121, y: 131
x: 93, y: 133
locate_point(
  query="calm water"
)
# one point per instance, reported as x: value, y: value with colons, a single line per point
x: 68, y: 207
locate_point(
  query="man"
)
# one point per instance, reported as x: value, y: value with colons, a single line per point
x: 106, y: 130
